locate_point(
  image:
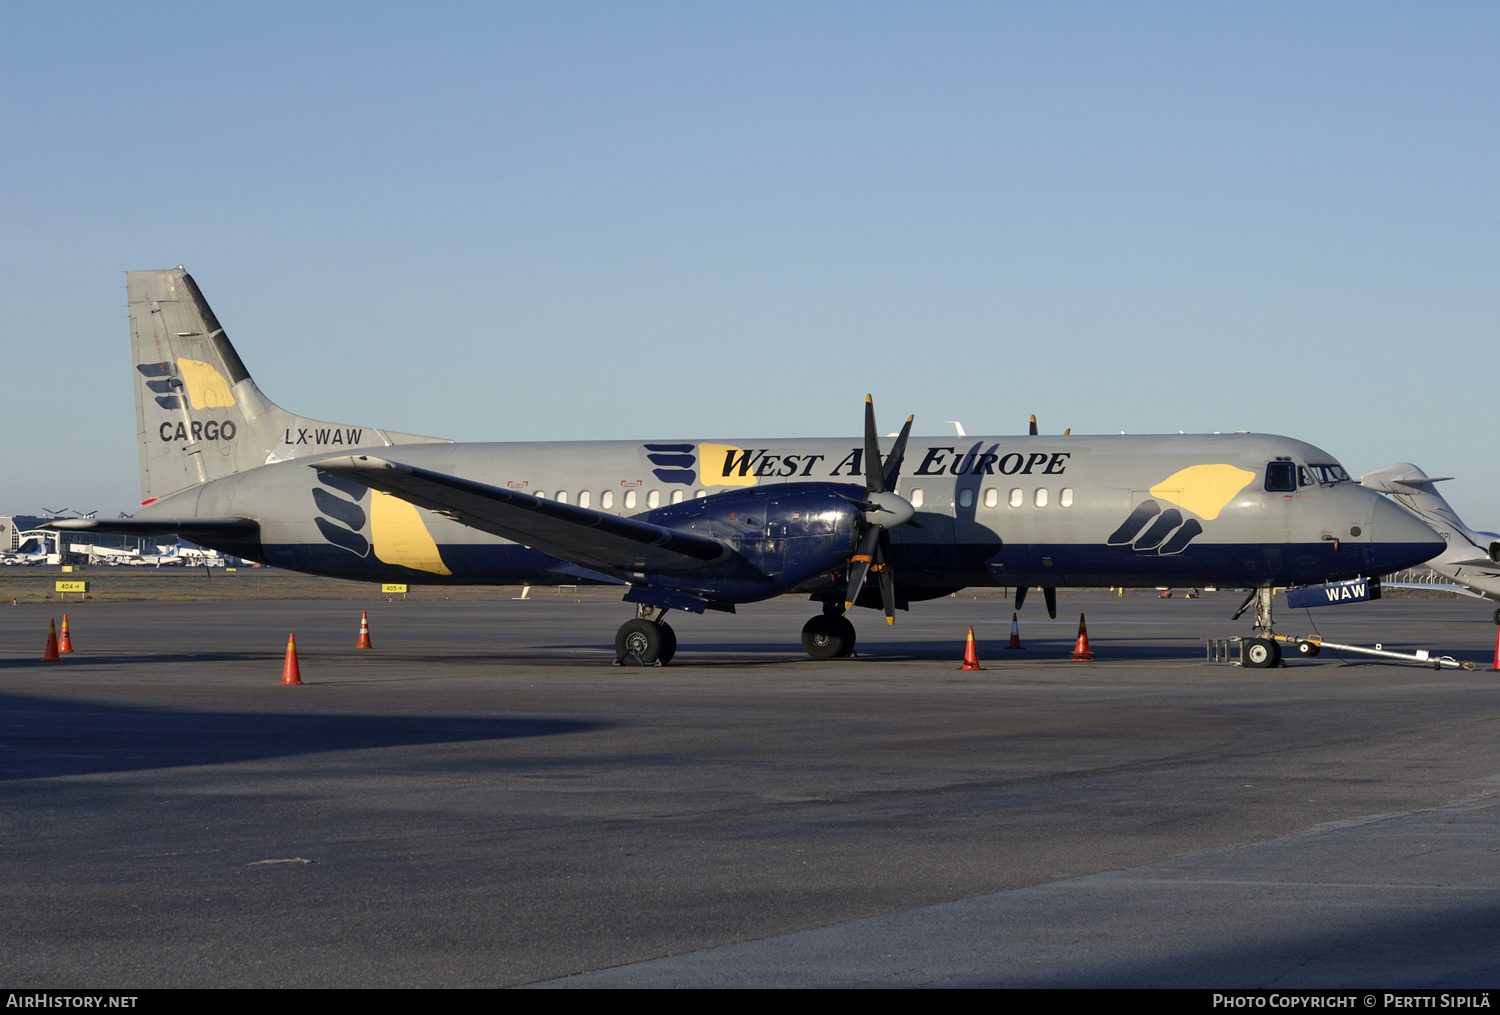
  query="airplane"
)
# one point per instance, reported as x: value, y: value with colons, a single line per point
x: 691, y: 524
x: 1470, y: 558
x: 24, y: 558
x: 106, y: 554
x: 194, y: 556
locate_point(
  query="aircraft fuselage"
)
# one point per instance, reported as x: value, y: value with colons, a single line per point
x: 1000, y: 511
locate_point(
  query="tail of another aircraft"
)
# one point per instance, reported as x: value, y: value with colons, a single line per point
x: 1414, y: 490
x: 199, y: 416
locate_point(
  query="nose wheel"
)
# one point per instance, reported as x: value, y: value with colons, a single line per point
x: 828, y: 636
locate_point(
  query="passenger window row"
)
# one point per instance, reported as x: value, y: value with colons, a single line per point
x: 631, y: 498
x: 1039, y: 497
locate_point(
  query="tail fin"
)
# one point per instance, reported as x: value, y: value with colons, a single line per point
x: 199, y: 416
x: 1413, y: 489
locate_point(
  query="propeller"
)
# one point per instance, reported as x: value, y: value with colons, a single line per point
x: 882, y: 509
x: 1065, y: 433
x: 1049, y: 592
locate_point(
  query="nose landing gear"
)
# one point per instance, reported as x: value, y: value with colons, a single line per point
x: 1262, y: 652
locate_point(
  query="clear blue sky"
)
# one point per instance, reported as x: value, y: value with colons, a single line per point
x: 578, y: 221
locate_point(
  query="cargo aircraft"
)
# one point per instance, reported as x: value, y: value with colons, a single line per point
x: 707, y: 524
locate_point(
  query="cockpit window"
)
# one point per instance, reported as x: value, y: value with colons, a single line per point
x: 1281, y: 477
x: 1329, y: 473
x: 1305, y: 478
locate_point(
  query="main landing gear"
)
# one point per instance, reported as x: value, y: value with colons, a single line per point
x: 828, y: 635
x: 647, y: 640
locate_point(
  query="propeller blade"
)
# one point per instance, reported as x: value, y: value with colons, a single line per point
x: 1033, y: 424
x: 1021, y: 591
x: 1050, y: 594
x: 887, y: 582
x: 898, y: 451
x: 859, y: 566
x: 872, y: 449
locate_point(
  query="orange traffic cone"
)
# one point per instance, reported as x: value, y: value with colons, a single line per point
x: 1015, y: 632
x: 971, y: 654
x: 290, y: 674
x: 364, y: 630
x: 1081, y: 650
x: 66, y: 644
x: 49, y: 653
x: 1497, y: 651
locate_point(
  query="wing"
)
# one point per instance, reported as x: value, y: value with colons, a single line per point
x: 1457, y: 590
x: 609, y: 543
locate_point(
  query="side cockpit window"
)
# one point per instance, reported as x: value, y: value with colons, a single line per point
x: 1305, y: 478
x: 1281, y: 477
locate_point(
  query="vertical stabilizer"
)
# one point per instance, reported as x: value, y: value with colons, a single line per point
x: 199, y: 415
x: 1414, y: 490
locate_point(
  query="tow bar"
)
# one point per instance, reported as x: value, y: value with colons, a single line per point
x: 1421, y: 655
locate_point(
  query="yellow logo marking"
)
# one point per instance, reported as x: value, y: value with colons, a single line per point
x: 400, y: 537
x: 206, y: 387
x: 714, y: 460
x: 1203, y: 489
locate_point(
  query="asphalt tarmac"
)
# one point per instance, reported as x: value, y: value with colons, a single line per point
x: 482, y: 799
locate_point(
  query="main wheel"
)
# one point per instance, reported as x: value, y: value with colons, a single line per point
x: 1261, y: 653
x: 639, y: 642
x: 1497, y: 616
x: 1307, y: 649
x: 825, y: 637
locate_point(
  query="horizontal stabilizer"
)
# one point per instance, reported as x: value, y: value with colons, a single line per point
x: 1403, y: 477
x: 610, y: 543
x: 196, y: 530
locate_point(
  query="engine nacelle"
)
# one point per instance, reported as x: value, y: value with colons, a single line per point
x: 786, y: 534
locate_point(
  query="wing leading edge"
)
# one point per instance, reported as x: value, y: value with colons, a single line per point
x: 609, y: 543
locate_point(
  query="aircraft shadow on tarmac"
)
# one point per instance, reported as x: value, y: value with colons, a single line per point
x: 42, y: 737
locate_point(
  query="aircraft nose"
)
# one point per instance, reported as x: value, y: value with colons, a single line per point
x: 1400, y: 539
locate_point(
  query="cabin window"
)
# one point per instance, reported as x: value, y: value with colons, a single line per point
x: 676, y: 496
x: 583, y: 498
x: 700, y: 495
x: 629, y: 500
x: 562, y: 496
x: 607, y: 499
x: 1017, y: 498
x: 1041, y: 496
x: 653, y: 499
x: 915, y: 496
x: 966, y: 498
x: 991, y: 497
x: 1065, y: 496
x: 1281, y: 477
